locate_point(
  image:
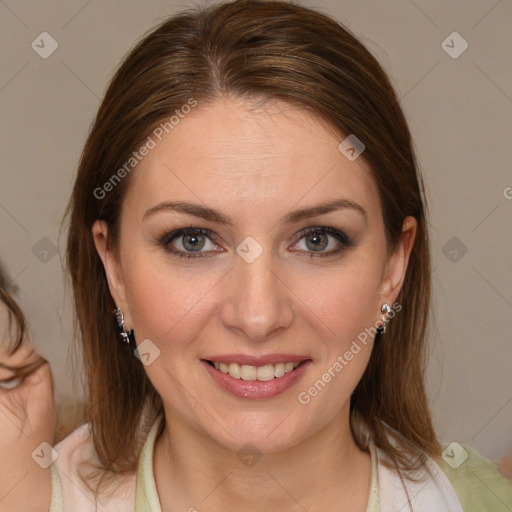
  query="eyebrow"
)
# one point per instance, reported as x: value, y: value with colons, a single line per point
x: 210, y: 214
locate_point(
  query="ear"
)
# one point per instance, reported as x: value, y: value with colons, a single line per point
x: 112, y: 266
x: 397, y: 262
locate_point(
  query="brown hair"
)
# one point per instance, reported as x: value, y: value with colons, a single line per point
x: 15, y: 315
x: 251, y: 49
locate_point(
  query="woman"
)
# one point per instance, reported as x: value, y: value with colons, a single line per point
x: 27, y: 413
x: 249, y: 208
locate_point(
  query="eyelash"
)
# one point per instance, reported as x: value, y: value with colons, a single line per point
x: 165, y: 240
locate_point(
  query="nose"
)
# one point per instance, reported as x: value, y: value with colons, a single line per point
x: 258, y: 304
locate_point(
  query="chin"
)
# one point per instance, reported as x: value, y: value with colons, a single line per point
x: 263, y: 432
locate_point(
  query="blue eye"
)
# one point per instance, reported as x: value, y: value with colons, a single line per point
x: 190, y: 242
x: 317, y: 239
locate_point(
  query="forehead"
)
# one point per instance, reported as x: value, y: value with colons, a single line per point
x: 230, y: 153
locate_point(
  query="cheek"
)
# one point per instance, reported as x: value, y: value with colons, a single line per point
x: 348, y: 313
x: 347, y: 301
x: 346, y: 307
x: 164, y: 305
x: 359, y: 303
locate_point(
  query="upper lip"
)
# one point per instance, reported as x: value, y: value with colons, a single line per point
x: 257, y: 360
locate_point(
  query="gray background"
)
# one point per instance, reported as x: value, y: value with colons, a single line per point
x: 460, y: 114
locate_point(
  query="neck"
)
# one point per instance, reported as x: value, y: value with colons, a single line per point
x: 326, y: 469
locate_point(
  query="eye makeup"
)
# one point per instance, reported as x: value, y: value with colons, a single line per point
x: 195, y: 233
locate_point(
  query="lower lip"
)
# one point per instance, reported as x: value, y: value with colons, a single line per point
x: 255, y: 389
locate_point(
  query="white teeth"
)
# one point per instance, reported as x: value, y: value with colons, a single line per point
x: 234, y: 370
x: 261, y: 373
x: 279, y: 370
x: 248, y: 372
x: 265, y: 372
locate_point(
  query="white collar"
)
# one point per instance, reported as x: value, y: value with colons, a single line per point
x: 388, y: 493
x: 432, y: 489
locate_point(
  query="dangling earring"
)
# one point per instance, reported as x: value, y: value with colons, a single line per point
x: 125, y: 336
x: 385, y: 309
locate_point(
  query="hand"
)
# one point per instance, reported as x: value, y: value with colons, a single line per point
x: 27, y: 419
x: 505, y: 466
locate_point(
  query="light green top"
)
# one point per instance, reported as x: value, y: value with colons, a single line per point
x: 147, y: 496
x: 477, y: 482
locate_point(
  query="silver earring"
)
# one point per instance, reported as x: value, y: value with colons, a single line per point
x: 125, y: 336
x: 386, y: 308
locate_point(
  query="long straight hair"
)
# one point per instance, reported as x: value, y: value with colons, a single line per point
x: 250, y: 49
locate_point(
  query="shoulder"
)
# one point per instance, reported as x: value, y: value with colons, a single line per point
x: 424, y: 489
x: 64, y: 457
x: 75, y: 471
x: 476, y: 480
x: 75, y: 447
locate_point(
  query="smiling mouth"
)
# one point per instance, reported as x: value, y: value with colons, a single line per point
x: 262, y: 373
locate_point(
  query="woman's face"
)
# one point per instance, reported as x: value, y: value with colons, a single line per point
x: 248, y: 287
x: 23, y: 356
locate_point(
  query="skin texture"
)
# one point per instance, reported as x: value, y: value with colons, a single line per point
x: 255, y: 165
x: 27, y: 418
x: 505, y: 466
